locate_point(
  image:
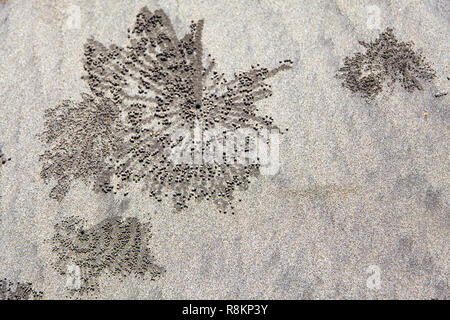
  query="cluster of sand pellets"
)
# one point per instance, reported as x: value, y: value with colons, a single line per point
x: 3, y: 158
x: 115, y: 247
x: 18, y: 291
x: 386, y: 61
x: 83, y: 135
x: 121, y: 133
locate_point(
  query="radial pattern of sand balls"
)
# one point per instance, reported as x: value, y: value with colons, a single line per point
x: 120, y: 134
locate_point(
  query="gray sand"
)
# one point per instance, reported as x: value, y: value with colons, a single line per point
x: 358, y: 209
